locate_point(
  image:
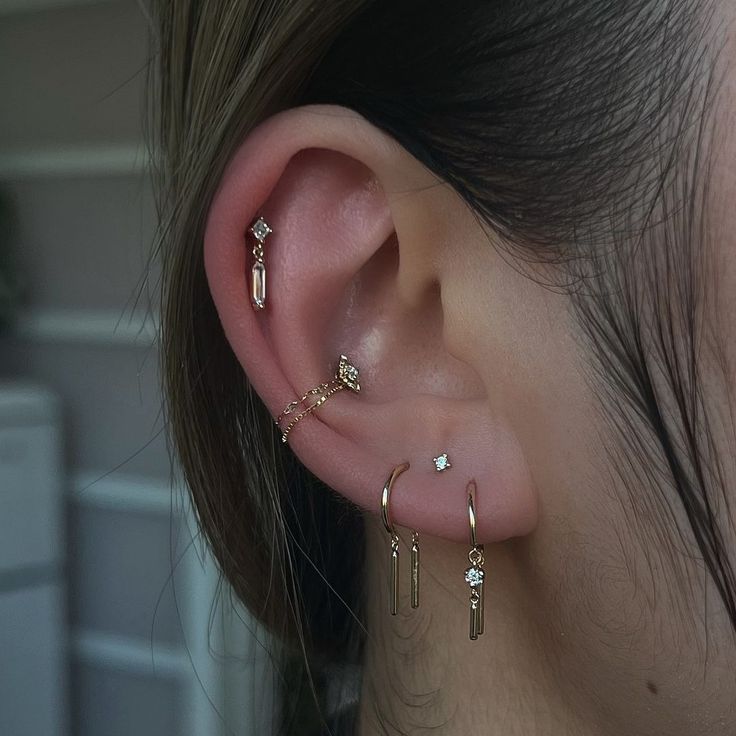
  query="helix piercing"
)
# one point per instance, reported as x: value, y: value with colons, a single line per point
x: 260, y: 230
x: 393, y: 587
x: 346, y: 376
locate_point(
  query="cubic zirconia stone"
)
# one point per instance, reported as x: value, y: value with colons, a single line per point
x: 442, y: 462
x: 474, y: 576
x: 348, y: 374
x: 260, y: 229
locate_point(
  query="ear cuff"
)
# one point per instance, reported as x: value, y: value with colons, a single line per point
x: 346, y: 376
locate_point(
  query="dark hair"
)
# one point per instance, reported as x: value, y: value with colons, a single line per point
x: 574, y: 129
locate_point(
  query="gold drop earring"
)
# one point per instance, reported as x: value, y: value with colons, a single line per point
x: 393, y: 592
x: 474, y: 575
x: 260, y: 230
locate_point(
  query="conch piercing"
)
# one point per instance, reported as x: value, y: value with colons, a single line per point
x: 346, y: 376
x: 260, y: 230
x: 394, y: 567
x: 475, y: 574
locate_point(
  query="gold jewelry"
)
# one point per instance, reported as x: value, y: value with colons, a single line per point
x: 393, y: 594
x: 260, y: 230
x: 346, y: 376
x: 475, y: 574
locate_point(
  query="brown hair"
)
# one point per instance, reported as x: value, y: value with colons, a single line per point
x: 555, y: 122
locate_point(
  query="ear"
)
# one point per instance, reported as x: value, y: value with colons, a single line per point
x: 355, y: 265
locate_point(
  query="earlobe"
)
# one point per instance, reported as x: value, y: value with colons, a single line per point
x: 351, y: 267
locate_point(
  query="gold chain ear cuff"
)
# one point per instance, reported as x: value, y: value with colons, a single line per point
x: 346, y: 376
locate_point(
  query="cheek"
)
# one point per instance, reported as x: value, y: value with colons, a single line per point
x: 600, y: 574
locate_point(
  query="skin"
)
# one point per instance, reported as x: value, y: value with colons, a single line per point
x: 596, y: 618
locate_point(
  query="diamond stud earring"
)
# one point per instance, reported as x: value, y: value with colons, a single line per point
x: 442, y: 462
x: 347, y: 376
x: 260, y: 230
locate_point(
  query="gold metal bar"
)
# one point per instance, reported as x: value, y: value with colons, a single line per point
x: 415, y: 574
x: 481, y: 614
x: 394, y: 586
x: 473, y: 621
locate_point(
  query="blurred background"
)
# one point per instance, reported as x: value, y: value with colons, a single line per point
x: 112, y: 617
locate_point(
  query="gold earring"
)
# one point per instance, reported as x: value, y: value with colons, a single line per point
x: 393, y: 587
x: 475, y: 574
x: 260, y: 230
x: 346, y: 376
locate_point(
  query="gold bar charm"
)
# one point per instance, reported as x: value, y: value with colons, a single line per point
x: 474, y: 615
x: 394, y: 582
x: 258, y: 285
x: 480, y: 609
x: 415, y: 571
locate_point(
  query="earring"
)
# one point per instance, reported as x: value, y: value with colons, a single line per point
x: 260, y: 230
x: 442, y: 462
x: 475, y: 574
x: 393, y: 587
x: 346, y: 376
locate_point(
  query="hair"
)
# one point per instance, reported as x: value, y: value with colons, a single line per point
x: 576, y: 130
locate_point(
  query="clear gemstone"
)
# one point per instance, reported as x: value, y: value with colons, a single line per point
x: 260, y: 229
x: 442, y: 462
x: 474, y: 576
x: 348, y: 374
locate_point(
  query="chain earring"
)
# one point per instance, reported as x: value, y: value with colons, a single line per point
x: 393, y: 588
x: 475, y: 574
x: 347, y: 376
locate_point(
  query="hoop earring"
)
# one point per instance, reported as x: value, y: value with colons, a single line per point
x: 394, y: 564
x: 475, y: 574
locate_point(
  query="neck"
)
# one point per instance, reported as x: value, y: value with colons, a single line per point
x: 422, y: 671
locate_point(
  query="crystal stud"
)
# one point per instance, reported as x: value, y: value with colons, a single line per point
x: 348, y: 374
x: 474, y: 576
x: 260, y: 229
x: 442, y: 462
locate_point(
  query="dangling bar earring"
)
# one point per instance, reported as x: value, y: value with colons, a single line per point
x: 393, y: 588
x: 414, y: 570
x: 260, y: 231
x: 475, y: 574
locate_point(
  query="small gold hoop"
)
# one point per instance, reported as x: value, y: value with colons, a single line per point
x: 471, y: 489
x: 386, y: 496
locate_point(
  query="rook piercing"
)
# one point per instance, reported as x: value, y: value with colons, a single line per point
x: 475, y: 574
x: 346, y: 376
x: 260, y: 230
x: 442, y: 462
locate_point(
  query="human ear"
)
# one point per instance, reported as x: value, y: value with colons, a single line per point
x: 355, y: 266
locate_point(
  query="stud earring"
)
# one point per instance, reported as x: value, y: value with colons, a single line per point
x: 475, y: 574
x: 346, y: 376
x: 260, y: 230
x: 441, y: 462
x: 393, y: 588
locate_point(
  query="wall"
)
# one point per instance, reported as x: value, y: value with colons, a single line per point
x: 154, y: 647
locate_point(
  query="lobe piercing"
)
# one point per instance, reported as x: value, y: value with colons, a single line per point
x: 475, y: 574
x: 394, y: 569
